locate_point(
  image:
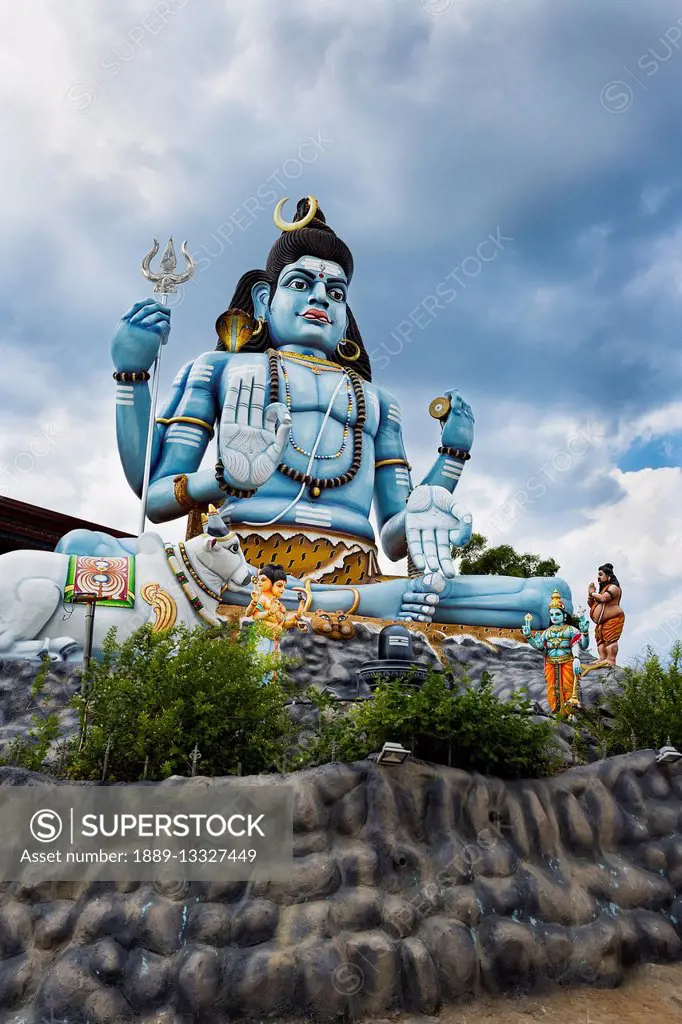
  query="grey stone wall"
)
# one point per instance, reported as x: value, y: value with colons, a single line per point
x: 412, y: 888
x: 17, y: 706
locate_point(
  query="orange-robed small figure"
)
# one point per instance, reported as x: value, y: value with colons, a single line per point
x: 607, y: 615
x: 559, y: 643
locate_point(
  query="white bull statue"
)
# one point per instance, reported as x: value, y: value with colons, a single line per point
x: 42, y: 611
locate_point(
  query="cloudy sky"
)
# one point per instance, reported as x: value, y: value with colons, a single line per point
x: 506, y: 172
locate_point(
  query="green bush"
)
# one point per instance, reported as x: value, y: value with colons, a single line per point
x: 158, y: 695
x: 647, y: 706
x: 461, y: 726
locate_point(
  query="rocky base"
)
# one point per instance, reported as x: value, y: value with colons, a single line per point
x: 323, y: 663
x: 412, y: 888
x: 317, y: 661
x: 17, y: 705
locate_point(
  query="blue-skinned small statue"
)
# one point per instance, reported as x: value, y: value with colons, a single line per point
x: 307, y: 445
x: 559, y: 643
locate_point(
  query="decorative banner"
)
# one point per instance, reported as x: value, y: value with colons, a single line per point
x: 111, y: 579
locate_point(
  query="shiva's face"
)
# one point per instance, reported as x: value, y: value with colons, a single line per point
x: 556, y: 616
x: 308, y: 307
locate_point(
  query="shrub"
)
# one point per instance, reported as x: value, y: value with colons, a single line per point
x: 155, y: 697
x: 442, y: 721
x: 647, y: 706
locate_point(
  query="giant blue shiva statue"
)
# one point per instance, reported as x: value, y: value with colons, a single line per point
x: 307, y: 443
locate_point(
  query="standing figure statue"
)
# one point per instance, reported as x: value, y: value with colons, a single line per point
x: 607, y: 615
x: 562, y: 664
x: 307, y: 445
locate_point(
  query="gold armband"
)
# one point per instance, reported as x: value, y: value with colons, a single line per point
x: 185, y: 419
x: 392, y: 462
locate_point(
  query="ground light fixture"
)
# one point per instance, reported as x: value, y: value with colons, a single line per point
x: 668, y: 755
x: 392, y: 753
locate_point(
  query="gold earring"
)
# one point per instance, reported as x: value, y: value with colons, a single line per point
x: 261, y: 324
x: 349, y: 358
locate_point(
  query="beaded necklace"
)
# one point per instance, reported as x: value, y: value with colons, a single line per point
x: 195, y: 575
x: 346, y: 426
x: 315, y: 483
x: 181, y: 577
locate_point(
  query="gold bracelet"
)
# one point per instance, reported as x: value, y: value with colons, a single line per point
x: 182, y: 497
x: 138, y: 376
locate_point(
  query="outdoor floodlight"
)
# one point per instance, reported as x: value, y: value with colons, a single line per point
x: 393, y: 753
x: 668, y: 755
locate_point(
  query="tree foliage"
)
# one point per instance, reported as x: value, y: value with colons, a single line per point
x: 30, y: 750
x: 477, y: 559
x: 441, y: 721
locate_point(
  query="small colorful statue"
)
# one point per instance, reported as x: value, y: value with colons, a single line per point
x: 562, y: 664
x: 607, y: 615
x: 266, y: 605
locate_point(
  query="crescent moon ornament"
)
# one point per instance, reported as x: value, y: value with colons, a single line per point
x: 295, y: 225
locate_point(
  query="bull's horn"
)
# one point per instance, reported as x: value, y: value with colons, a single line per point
x: 215, y: 526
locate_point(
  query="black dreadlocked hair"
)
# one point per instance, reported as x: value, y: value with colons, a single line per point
x: 611, y: 577
x: 317, y: 239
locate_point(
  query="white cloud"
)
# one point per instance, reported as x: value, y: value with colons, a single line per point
x: 654, y: 198
x: 654, y: 423
x: 65, y: 459
x: 661, y: 275
x: 116, y: 128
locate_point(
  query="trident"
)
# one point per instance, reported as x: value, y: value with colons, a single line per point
x: 166, y: 283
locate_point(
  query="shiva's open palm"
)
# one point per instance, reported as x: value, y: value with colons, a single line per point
x: 251, y: 440
x: 435, y: 523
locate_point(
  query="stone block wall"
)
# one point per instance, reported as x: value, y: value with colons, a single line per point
x: 412, y: 887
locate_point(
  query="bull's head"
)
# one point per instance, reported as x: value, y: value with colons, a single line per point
x: 224, y: 557
x: 219, y: 551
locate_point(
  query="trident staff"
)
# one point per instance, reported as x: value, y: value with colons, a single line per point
x: 166, y: 283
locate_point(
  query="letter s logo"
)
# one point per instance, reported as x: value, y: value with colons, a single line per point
x: 46, y: 826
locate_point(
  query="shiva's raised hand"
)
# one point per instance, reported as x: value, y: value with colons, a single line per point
x: 435, y: 522
x: 251, y: 440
